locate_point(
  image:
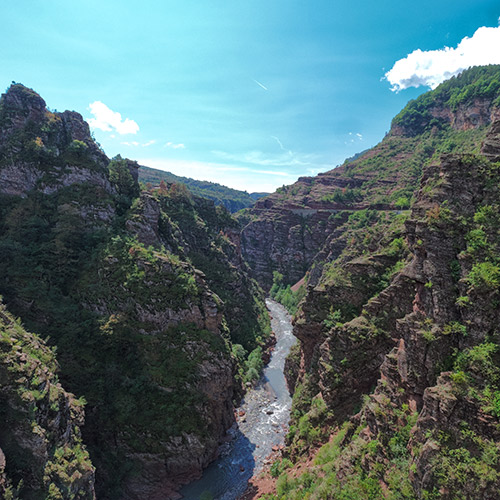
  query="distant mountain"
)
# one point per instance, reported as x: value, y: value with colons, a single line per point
x: 256, y: 196
x: 232, y: 199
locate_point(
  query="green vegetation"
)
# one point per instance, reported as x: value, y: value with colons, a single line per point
x: 31, y: 404
x: 478, y: 82
x: 253, y: 366
x: 132, y: 323
x: 121, y: 177
x: 448, y: 320
x: 374, y: 251
x: 142, y: 385
x: 232, y: 199
x: 285, y: 295
x: 340, y: 469
x: 345, y: 196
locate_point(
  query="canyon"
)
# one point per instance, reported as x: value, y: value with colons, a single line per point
x: 152, y: 302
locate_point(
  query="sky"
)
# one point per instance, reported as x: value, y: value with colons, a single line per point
x: 250, y: 94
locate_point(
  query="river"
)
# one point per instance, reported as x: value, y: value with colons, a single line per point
x: 261, y: 424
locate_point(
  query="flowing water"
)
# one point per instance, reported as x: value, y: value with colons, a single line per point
x: 261, y: 427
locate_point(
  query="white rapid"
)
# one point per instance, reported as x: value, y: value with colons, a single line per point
x: 265, y: 414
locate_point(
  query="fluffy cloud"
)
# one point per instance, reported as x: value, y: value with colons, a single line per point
x: 109, y: 120
x: 432, y: 67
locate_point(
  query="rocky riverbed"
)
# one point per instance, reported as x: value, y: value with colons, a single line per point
x: 262, y: 422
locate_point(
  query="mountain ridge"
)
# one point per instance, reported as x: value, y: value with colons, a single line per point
x: 149, y: 298
x: 107, y: 273
x: 395, y: 380
x: 232, y: 199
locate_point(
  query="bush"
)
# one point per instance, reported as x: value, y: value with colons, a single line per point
x: 484, y: 276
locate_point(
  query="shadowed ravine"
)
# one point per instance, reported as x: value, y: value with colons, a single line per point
x: 266, y: 413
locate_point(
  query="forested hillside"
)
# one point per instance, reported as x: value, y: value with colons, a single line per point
x: 396, y: 378
x: 144, y: 295
x: 232, y: 199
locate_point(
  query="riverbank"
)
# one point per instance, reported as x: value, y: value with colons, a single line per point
x: 261, y: 426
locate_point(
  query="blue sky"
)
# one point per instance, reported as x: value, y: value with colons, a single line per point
x: 251, y: 94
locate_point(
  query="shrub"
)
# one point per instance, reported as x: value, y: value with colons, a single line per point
x: 484, y: 276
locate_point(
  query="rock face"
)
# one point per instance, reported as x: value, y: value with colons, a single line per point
x: 213, y: 244
x: 399, y: 342
x: 43, y: 150
x: 437, y: 328
x: 142, y: 294
x: 289, y: 245
x: 41, y: 452
x: 469, y: 115
x: 491, y: 145
x: 298, y: 225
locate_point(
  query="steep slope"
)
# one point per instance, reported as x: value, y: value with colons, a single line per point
x: 232, y: 199
x: 430, y: 428
x: 41, y: 451
x: 297, y: 220
x: 124, y: 284
x: 402, y: 380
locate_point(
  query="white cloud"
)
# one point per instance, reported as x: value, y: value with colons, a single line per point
x: 135, y: 143
x: 174, y: 146
x: 109, y: 120
x: 432, y: 67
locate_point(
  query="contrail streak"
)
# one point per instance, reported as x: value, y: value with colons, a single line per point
x: 260, y: 84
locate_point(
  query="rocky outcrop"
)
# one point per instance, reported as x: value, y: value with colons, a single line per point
x: 43, y: 150
x: 126, y: 286
x: 41, y: 450
x: 145, y: 222
x: 491, y: 145
x: 173, y: 315
x: 182, y: 458
x: 292, y: 240
x: 296, y: 228
x: 467, y: 116
x: 445, y: 411
x: 4, y: 482
x: 408, y: 372
x: 197, y: 231
x: 428, y: 328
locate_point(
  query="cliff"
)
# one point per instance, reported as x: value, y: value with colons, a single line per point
x: 300, y: 221
x: 396, y: 383
x: 42, y: 455
x: 143, y: 294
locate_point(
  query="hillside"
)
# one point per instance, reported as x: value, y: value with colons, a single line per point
x: 41, y: 454
x: 143, y: 294
x: 150, y: 305
x: 396, y: 377
x: 232, y: 199
x: 298, y: 219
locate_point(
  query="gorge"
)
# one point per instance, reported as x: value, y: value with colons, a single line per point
x: 149, y: 322
x: 261, y: 425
